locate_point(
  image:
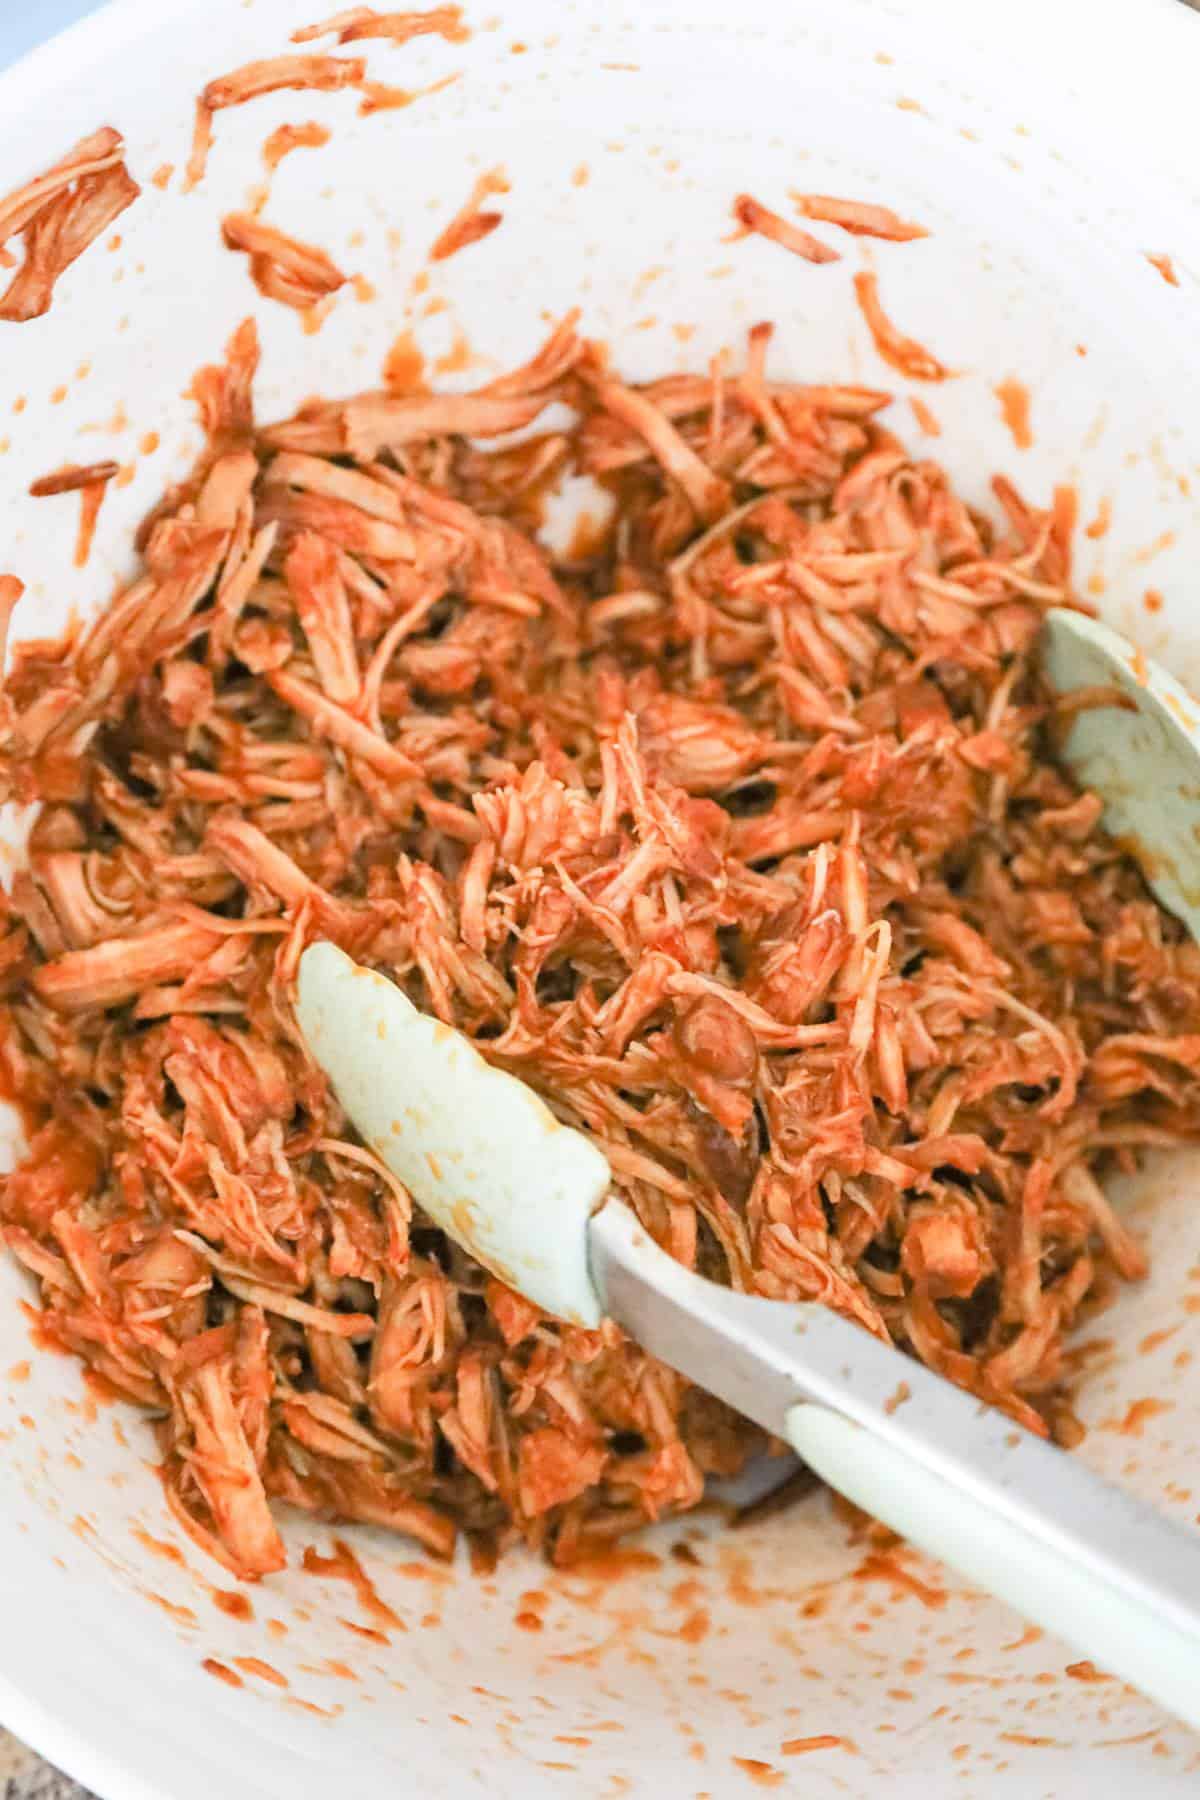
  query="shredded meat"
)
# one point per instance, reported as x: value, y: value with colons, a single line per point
x: 858, y: 217
x: 904, y: 354
x: 739, y: 836
x: 319, y: 74
x: 281, y: 267
x: 58, y: 215
x: 398, y: 27
x: 90, y: 481
x: 286, y: 138
x: 754, y: 217
x: 471, y: 222
x: 71, y: 477
x: 92, y: 155
x: 377, y: 96
x: 325, y: 74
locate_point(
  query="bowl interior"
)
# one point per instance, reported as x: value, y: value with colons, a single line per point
x: 701, y: 1656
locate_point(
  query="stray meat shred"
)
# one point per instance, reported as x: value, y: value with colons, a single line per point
x: 736, y: 831
x: 282, y: 267
x: 398, y: 27
x: 57, y: 215
x: 471, y: 222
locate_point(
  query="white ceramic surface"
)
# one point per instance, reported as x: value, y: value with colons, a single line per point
x: 1048, y: 147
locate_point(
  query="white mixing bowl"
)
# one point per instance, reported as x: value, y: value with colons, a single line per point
x: 1049, y: 145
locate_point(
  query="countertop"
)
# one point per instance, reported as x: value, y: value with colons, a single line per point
x: 26, y: 1777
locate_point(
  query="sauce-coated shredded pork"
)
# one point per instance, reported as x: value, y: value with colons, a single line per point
x: 736, y: 831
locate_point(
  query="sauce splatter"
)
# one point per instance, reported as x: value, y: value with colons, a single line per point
x: 764, y: 1774
x: 1013, y: 396
x: 612, y: 1565
x: 286, y: 138
x: 1102, y: 520
x: 404, y: 366
x: 823, y: 1741
x: 313, y: 317
x: 1152, y: 600
x: 1137, y: 1415
x: 739, y: 1587
x: 343, y: 1565
x: 211, y: 1666
x: 251, y: 1665
x: 182, y: 1615
x: 308, y: 1706
x: 902, y: 353
x: 423, y: 1571
x: 927, y: 419
x: 20, y: 1371
x: 159, y: 1547
x: 234, y: 1606
x: 163, y: 174
x: 457, y: 358
x: 366, y: 1631
x: 1162, y: 262
x: 1162, y: 542
x: 884, y: 1566
x: 1086, y: 1671
x: 377, y: 96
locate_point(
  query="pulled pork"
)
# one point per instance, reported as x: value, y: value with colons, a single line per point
x: 57, y: 215
x: 282, y: 267
x: 737, y: 833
